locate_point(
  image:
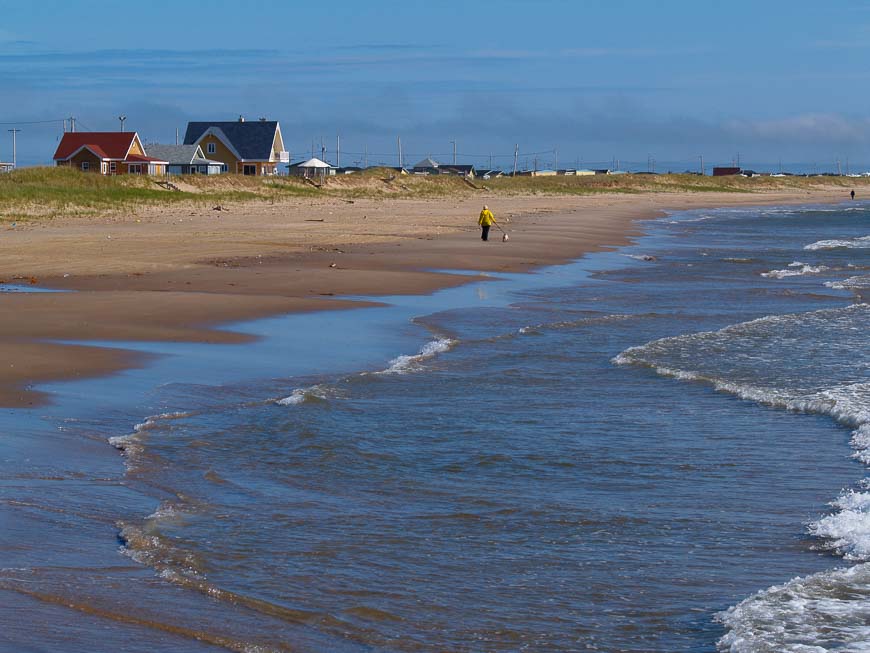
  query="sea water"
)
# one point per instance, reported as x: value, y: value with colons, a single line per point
x: 660, y: 448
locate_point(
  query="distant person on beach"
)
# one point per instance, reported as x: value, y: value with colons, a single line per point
x: 486, y: 221
x: 852, y: 194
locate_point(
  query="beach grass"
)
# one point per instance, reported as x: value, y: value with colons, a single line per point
x: 35, y: 193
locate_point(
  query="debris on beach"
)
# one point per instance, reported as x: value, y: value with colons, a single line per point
x: 332, y: 265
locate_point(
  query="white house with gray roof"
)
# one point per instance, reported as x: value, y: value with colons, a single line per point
x: 185, y: 159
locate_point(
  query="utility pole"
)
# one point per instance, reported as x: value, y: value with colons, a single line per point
x: 516, y: 156
x: 72, y: 124
x: 366, y: 160
x: 122, y: 118
x: 838, y: 168
x: 490, y: 161
x: 454, y: 151
x: 322, y: 150
x: 555, y: 158
x: 176, y: 135
x: 399, y: 148
x: 14, y: 151
x: 337, y: 151
x: 702, y: 164
x: 536, y: 163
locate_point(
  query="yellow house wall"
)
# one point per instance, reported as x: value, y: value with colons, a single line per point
x: 222, y: 153
x: 136, y: 148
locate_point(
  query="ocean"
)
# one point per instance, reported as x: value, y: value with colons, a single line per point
x: 658, y: 448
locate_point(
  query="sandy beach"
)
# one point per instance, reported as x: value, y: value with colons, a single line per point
x: 172, y: 273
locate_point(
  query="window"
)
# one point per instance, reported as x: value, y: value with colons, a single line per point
x: 86, y: 166
x: 212, y: 148
x: 113, y: 167
x: 249, y: 169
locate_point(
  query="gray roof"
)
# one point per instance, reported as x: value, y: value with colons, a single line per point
x: 175, y: 154
x: 252, y: 139
x: 428, y: 162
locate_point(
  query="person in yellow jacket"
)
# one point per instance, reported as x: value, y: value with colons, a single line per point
x: 486, y: 220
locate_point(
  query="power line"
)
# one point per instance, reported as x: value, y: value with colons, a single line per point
x: 32, y: 122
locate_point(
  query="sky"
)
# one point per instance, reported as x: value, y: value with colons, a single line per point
x: 569, y: 82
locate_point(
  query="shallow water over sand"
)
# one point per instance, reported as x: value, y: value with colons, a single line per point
x: 521, y: 464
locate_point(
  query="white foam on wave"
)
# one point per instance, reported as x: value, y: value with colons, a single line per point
x: 301, y: 395
x: 813, y: 614
x: 131, y: 444
x: 836, y: 243
x: 641, y: 257
x: 412, y: 363
x: 796, y: 269
x: 852, y: 283
x: 846, y: 531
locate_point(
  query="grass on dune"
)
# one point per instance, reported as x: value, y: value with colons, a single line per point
x: 34, y: 193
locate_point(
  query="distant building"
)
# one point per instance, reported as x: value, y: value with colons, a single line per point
x: 489, y: 174
x: 725, y: 171
x: 185, y: 160
x: 460, y: 170
x: 429, y: 166
x: 311, y: 169
x: 246, y: 148
x: 107, y: 153
x: 6, y: 167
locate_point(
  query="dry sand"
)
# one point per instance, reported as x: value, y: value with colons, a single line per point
x: 171, y: 274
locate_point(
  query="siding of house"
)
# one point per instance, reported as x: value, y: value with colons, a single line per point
x: 136, y: 148
x: 90, y: 157
x: 221, y: 153
x: 277, y: 145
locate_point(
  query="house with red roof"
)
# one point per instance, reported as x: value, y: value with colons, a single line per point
x: 107, y: 153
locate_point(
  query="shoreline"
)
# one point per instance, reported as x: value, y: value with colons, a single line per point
x: 177, y: 275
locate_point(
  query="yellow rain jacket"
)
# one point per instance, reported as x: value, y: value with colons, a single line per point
x: 486, y: 218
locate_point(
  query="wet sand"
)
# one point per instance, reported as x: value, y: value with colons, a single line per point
x: 172, y: 274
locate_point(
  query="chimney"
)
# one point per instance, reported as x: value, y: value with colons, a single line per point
x: 241, y: 118
x: 263, y: 119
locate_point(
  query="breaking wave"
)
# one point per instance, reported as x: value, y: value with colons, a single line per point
x: 848, y: 243
x: 413, y: 363
x: 750, y: 360
x: 795, y: 269
x: 828, y: 611
x: 131, y: 444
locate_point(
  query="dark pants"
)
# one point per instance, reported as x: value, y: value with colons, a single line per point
x: 484, y: 232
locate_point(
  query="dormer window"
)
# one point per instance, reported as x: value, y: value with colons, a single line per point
x: 212, y: 148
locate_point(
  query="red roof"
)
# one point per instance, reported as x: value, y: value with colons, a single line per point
x: 113, y: 145
x: 137, y: 158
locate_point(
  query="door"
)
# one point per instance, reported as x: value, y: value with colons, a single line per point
x: 248, y: 169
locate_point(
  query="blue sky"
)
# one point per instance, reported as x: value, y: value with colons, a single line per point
x: 596, y: 80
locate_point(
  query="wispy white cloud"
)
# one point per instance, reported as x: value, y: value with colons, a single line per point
x: 811, y: 128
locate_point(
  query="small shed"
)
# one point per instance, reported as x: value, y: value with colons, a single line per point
x: 6, y: 167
